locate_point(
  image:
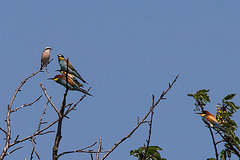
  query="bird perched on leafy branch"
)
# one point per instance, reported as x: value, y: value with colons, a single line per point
x: 211, y: 121
x: 45, y: 58
x: 63, y: 64
x: 61, y: 79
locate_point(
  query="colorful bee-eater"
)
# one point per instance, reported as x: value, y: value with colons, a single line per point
x: 61, y: 79
x: 72, y: 77
x: 63, y: 64
x: 45, y: 58
x: 211, y: 121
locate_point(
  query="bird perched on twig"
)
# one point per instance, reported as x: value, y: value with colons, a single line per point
x: 63, y: 64
x: 61, y: 79
x: 72, y: 77
x: 45, y: 58
x: 211, y: 121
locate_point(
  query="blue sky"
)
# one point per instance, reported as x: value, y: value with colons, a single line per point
x: 127, y: 51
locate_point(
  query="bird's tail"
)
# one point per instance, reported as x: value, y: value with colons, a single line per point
x: 82, y: 90
x: 221, y: 127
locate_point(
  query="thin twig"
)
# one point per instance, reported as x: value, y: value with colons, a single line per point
x: 34, y: 134
x: 49, y: 99
x: 25, y: 105
x: 16, y: 138
x: 150, y: 129
x: 75, y: 105
x: 3, y: 130
x: 46, y: 132
x: 143, y: 119
x: 214, y: 143
x: 14, y: 150
x: 8, y: 135
x: 79, y: 150
x: 220, y: 141
x: 99, y: 148
x: 40, y: 122
x: 34, y: 149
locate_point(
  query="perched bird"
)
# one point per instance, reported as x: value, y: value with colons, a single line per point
x: 72, y: 77
x: 63, y: 64
x: 211, y: 121
x: 61, y: 79
x: 45, y: 58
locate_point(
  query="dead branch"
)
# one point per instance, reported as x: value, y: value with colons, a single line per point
x: 79, y: 150
x: 8, y: 135
x: 40, y: 122
x: 141, y: 122
x: 34, y: 149
x: 150, y: 129
x: 25, y: 105
x: 75, y: 105
x: 61, y: 116
x: 3, y: 130
x: 49, y: 99
x: 99, y: 148
x: 14, y: 150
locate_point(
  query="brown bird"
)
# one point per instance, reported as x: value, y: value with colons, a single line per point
x: 45, y: 58
x: 211, y: 121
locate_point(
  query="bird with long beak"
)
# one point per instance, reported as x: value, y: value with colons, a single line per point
x: 61, y: 79
x: 63, y: 64
x: 211, y: 121
x: 45, y: 58
x: 72, y: 77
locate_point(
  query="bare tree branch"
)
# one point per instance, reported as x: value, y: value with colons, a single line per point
x: 214, y: 143
x: 142, y: 121
x: 8, y: 135
x: 75, y: 105
x: 61, y: 116
x: 34, y: 134
x: 14, y: 150
x: 25, y: 105
x: 79, y: 150
x: 40, y: 122
x: 99, y: 148
x: 150, y: 129
x: 49, y: 99
x: 3, y: 130
x: 34, y: 149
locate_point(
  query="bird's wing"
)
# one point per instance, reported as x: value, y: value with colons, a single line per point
x: 211, y: 118
x: 70, y: 65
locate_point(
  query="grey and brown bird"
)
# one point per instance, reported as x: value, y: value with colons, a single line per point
x: 69, y: 82
x: 45, y: 58
x: 211, y: 121
x: 70, y: 69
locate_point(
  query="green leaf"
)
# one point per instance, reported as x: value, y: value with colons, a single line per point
x: 229, y: 97
x: 190, y: 95
x: 223, y: 155
x: 211, y: 159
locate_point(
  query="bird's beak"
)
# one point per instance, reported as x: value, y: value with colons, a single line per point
x: 199, y: 113
x: 50, y: 78
x: 58, y: 70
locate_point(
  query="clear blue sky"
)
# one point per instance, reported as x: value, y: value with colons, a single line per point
x: 127, y: 50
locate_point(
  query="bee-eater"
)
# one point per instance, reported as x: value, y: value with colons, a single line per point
x: 211, y: 121
x: 63, y: 64
x: 45, y: 58
x: 72, y: 77
x: 61, y: 79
